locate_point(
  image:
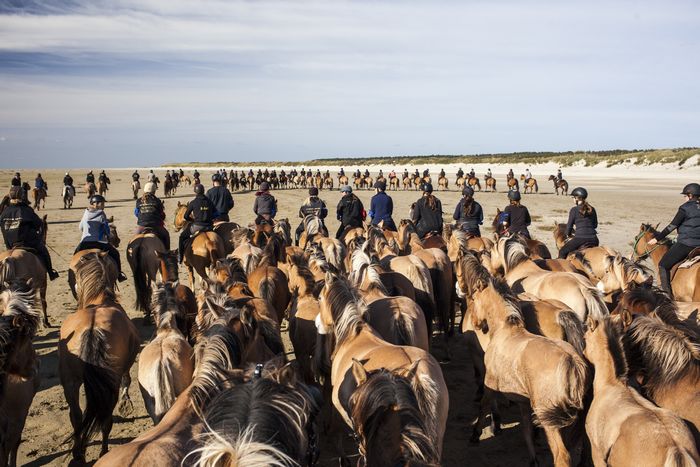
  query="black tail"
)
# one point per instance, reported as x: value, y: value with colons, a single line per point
x: 573, y: 330
x: 427, y: 304
x: 442, y: 307
x: 100, y: 381
x: 141, y: 284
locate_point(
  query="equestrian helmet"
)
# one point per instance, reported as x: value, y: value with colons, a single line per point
x: 346, y: 189
x: 149, y: 187
x: 579, y: 192
x: 427, y: 188
x: 468, y: 191
x: 264, y: 186
x: 381, y: 185
x: 313, y: 191
x: 97, y: 199
x: 691, y: 189
x: 199, y: 189
x: 514, y: 195
x: 216, y: 177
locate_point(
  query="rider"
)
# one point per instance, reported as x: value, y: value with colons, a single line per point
x: 405, y: 173
x: 341, y: 173
x: 416, y: 174
x: 135, y: 176
x: 104, y: 178
x: 510, y: 174
x: 151, y: 176
x: 382, y: 207
x: 472, y: 174
x: 90, y: 177
x: 488, y: 173
x: 426, y: 213
x: 468, y: 213
x: 265, y: 206
x: 560, y: 177
x: 200, y: 211
x: 381, y: 174
x: 95, y: 232
x: 21, y: 227
x: 67, y: 183
x: 366, y: 173
x: 460, y: 173
x: 584, y: 217
x: 687, y: 221
x: 196, y: 174
x: 16, y: 180
x: 151, y: 214
x: 528, y: 175
x: 442, y: 173
x: 221, y: 199
x: 358, y: 174
x: 426, y: 173
x: 39, y: 183
x: 313, y: 206
x: 182, y: 173
x: 515, y: 217
x: 392, y: 174
x: 349, y: 211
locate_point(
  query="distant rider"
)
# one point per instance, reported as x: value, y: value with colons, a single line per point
x: 468, y: 213
x: 382, y: 207
x: 151, y: 214
x: 313, y: 206
x: 95, y: 230
x: 200, y: 212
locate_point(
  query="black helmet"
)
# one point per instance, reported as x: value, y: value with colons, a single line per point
x: 381, y: 185
x: 216, y: 177
x: 514, y: 195
x: 427, y: 188
x: 97, y: 199
x: 313, y: 191
x: 264, y: 186
x: 199, y: 189
x: 579, y: 192
x: 468, y: 191
x: 691, y: 189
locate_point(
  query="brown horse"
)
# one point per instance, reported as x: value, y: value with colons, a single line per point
x: 166, y: 363
x: 39, y: 195
x: 393, y: 183
x: 623, y: 427
x: 512, y: 183
x: 553, y: 388
x: 19, y: 365
x: 142, y: 254
x: 443, y: 183
x: 204, y: 249
x: 490, y: 184
x: 135, y: 187
x: 225, y: 231
x: 348, y: 338
x: 562, y: 185
x: 621, y: 272
x: 244, y: 250
x: 536, y: 248
x: 302, y: 315
x: 459, y: 240
x: 114, y: 240
x: 684, y: 281
x: 270, y: 284
x: 474, y: 183
x: 530, y: 184
x: 521, y: 272
x: 19, y: 264
x: 102, y: 187
x: 97, y: 346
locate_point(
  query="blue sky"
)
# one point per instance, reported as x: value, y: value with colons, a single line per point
x: 144, y: 82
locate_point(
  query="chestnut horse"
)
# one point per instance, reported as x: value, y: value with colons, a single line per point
x: 562, y: 185
x: 98, y: 344
x: 39, y: 197
x: 531, y: 184
x: 114, y: 240
x: 204, y: 249
x: 19, y: 264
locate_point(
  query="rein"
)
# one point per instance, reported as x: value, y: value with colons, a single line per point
x: 647, y: 251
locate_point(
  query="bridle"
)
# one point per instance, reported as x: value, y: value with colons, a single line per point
x: 647, y: 251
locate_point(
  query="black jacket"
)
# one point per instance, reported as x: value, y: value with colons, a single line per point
x: 518, y: 219
x: 426, y: 219
x: 687, y: 221
x: 313, y: 207
x: 150, y: 211
x: 68, y: 180
x: 20, y: 225
x: 470, y: 221
x: 16, y: 181
x: 135, y: 176
x: 265, y: 203
x: 585, y: 225
x: 221, y: 199
x: 90, y: 178
x: 200, y: 211
x: 349, y: 211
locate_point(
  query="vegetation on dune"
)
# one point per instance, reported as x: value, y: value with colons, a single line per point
x: 565, y: 159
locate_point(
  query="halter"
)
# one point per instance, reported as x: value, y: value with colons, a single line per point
x: 647, y: 251
x: 258, y: 371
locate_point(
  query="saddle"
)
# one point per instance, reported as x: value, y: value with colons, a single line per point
x: 202, y: 230
x: 690, y: 261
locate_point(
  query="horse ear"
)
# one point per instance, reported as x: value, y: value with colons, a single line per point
x: 179, y: 204
x: 288, y: 374
x: 591, y: 323
x: 103, y: 253
x: 111, y: 219
x: 359, y: 372
x: 205, y: 284
x: 656, y: 227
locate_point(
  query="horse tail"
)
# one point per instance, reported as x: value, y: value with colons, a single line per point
x: 678, y: 457
x: 441, y: 297
x: 141, y: 284
x: 427, y: 394
x: 573, y: 330
x: 166, y: 394
x: 403, y: 330
x: 573, y: 374
x: 334, y: 254
x: 595, y: 307
x: 267, y: 290
x: 424, y: 294
x: 536, y: 187
x: 100, y: 381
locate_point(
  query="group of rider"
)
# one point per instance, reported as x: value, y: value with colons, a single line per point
x: 22, y: 227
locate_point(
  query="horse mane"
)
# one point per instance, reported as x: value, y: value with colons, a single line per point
x: 233, y: 266
x: 363, y: 269
x: 304, y: 272
x: 636, y: 295
x: 263, y: 422
x: 615, y: 348
x: 20, y: 301
x: 385, y: 392
x: 312, y: 223
x: 217, y: 352
x: 514, y: 252
x: 96, y: 275
x: 164, y: 301
x: 345, y: 306
x: 666, y: 349
x: 628, y: 266
x: 239, y: 235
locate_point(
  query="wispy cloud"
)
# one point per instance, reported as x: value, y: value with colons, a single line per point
x: 157, y: 80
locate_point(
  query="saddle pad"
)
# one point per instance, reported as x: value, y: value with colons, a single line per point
x: 689, y: 263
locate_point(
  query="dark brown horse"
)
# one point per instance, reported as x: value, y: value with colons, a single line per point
x: 39, y: 195
x: 562, y: 185
x: 142, y: 254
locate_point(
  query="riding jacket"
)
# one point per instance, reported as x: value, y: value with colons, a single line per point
x: 585, y: 224
x: 518, y: 218
x: 90, y: 178
x: 469, y: 222
x: 94, y: 226
x: 149, y: 211
x: 265, y: 203
x: 425, y: 219
x: 349, y: 211
x: 380, y: 209
x: 314, y: 206
x: 221, y: 199
x: 687, y: 221
x: 135, y: 176
x: 16, y: 181
x: 67, y: 180
x: 20, y: 225
x: 200, y: 211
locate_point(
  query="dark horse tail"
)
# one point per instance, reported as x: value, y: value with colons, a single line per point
x: 101, y: 384
x: 141, y: 283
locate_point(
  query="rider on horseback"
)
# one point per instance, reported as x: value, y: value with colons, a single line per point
x: 16, y: 180
x: 40, y: 184
x: 341, y: 173
x: 349, y: 210
x: 510, y: 174
x: 426, y: 173
x: 200, y: 211
x: 460, y: 173
x: 196, y: 174
x: 67, y: 183
x: 95, y: 232
x: 21, y: 227
x: 104, y: 178
x: 221, y: 199
x: 151, y: 176
x: 468, y: 213
x: 560, y: 177
x: 584, y: 217
x: 472, y: 174
x: 687, y: 221
x: 382, y: 207
x: 488, y: 173
x: 515, y: 217
x: 313, y: 206
x: 442, y: 173
x: 366, y: 174
x: 426, y: 213
x: 528, y: 175
x: 265, y: 206
x: 151, y: 215
x: 90, y: 177
x: 135, y: 176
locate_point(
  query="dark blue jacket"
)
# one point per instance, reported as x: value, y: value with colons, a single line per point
x: 687, y: 221
x: 380, y: 209
x: 585, y: 224
x: 469, y: 222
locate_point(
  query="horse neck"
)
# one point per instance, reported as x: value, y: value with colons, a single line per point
x: 167, y: 272
x: 604, y: 374
x: 415, y: 242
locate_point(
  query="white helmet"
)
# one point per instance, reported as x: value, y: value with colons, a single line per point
x: 150, y: 187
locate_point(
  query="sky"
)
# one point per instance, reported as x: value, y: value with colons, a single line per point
x: 124, y: 83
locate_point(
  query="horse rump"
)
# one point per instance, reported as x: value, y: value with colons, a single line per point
x: 572, y: 373
x: 573, y: 330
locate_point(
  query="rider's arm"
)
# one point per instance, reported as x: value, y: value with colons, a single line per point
x: 677, y: 220
x: 458, y: 211
x: 570, y: 222
x: 324, y: 210
x: 415, y: 213
x: 528, y: 221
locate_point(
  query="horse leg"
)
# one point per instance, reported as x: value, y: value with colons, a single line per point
x: 71, y: 391
x: 106, y: 430
x: 556, y: 444
x: 44, y: 307
x: 190, y: 273
x: 528, y: 431
x: 483, y: 412
x: 125, y: 406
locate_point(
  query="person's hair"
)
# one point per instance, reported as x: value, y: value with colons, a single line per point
x: 430, y: 201
x: 585, y: 209
x: 514, y: 202
x: 468, y: 205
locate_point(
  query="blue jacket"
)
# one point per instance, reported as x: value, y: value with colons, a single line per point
x: 381, y: 208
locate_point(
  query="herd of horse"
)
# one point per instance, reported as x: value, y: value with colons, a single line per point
x: 587, y: 348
